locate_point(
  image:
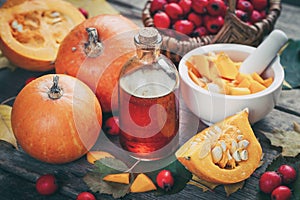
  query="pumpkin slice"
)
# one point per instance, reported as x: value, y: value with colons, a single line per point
x: 142, y: 183
x: 92, y: 156
x: 227, y: 152
x: 117, y: 178
x: 31, y: 31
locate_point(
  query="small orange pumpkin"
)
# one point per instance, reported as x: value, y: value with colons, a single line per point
x: 31, y: 31
x: 95, y: 52
x: 56, y: 119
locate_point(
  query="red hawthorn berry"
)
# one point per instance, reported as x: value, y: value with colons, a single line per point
x: 173, y: 1
x: 259, y: 4
x: 214, y: 24
x: 200, y: 31
x: 84, y: 12
x: 199, y: 6
x: 242, y: 15
x: 85, y: 196
x: 216, y: 7
x: 165, y: 180
x: 184, y: 26
x: 157, y: 5
x: 263, y: 14
x: 269, y: 181
x: 161, y: 20
x: 111, y: 125
x: 288, y: 173
x: 195, y: 18
x: 29, y: 80
x: 281, y: 193
x: 186, y: 6
x: 46, y: 184
x: 245, y: 6
x: 173, y: 10
x: 255, y: 16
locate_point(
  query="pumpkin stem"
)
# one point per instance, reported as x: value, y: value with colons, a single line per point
x: 93, y: 47
x: 55, y: 91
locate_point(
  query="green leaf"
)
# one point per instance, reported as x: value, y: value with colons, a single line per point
x: 6, y: 132
x: 96, y: 184
x: 103, y: 167
x: 288, y: 140
x: 290, y: 60
x: 109, y: 165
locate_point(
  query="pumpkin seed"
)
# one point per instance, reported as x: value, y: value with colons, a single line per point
x: 216, y: 154
x: 243, y: 144
x: 236, y: 156
x: 244, y: 155
x: 234, y: 146
x: 239, y: 137
x: 55, y: 14
x: 56, y: 20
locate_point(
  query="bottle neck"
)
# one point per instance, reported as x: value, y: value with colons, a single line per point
x: 147, y: 55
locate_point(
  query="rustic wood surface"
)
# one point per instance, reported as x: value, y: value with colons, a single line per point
x: 18, y: 171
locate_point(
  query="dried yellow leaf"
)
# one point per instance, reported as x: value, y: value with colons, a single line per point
x: 6, y: 133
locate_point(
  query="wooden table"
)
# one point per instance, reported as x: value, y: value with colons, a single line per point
x: 18, y: 171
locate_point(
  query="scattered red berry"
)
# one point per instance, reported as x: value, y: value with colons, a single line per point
x: 186, y: 6
x: 216, y: 7
x: 29, y: 80
x: 112, y: 125
x: 173, y: 10
x: 184, y: 26
x: 46, y: 184
x: 157, y: 5
x: 281, y: 193
x: 84, y: 12
x: 165, y: 180
x: 85, y: 196
x: 269, y: 181
x: 259, y: 4
x: 288, y: 173
x: 199, y: 6
x: 195, y: 18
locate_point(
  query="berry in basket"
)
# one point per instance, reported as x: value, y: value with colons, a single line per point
x: 203, y: 17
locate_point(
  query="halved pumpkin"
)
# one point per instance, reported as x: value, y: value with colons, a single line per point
x: 226, y: 152
x: 31, y: 31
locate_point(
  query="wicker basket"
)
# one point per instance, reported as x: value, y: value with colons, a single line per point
x: 233, y: 31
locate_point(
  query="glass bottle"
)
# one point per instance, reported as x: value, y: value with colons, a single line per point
x: 148, y: 100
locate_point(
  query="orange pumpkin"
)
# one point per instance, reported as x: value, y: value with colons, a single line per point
x: 31, y: 31
x: 95, y: 52
x: 56, y: 119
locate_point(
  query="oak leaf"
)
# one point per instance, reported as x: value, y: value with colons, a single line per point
x: 288, y: 140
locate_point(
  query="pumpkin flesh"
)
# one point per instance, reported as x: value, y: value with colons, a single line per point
x: 60, y: 130
x: 205, y: 168
x: 101, y: 72
x: 31, y: 31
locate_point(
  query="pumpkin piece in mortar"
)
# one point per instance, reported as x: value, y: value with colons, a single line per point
x: 95, y: 51
x: 56, y: 118
x: 31, y: 31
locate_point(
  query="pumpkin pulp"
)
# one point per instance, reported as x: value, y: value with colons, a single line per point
x: 32, y: 31
x: 228, y: 165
